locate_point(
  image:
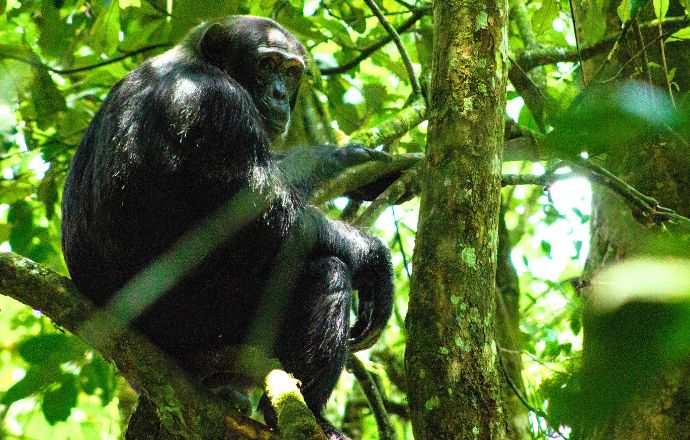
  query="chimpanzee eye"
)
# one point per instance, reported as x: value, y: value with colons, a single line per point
x: 294, y: 72
x: 267, y: 64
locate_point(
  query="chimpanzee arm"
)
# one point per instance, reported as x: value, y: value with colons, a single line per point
x: 305, y: 168
x: 369, y: 262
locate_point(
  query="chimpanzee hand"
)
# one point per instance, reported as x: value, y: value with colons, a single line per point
x: 355, y: 154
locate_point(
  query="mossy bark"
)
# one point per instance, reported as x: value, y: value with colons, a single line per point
x: 451, y: 359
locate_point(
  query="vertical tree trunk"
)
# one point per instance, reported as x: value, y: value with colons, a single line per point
x: 658, y: 169
x: 451, y: 359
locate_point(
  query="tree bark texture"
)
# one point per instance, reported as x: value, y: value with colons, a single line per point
x: 660, y: 169
x: 451, y: 360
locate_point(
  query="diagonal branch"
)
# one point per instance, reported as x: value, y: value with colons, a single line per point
x: 366, y: 52
x: 374, y: 397
x: 531, y: 58
x: 414, y: 82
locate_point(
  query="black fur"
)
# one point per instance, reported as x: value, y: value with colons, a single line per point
x: 174, y: 141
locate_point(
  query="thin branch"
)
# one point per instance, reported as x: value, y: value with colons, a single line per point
x: 392, y: 128
x: 34, y: 61
x: 577, y: 42
x: 366, y: 52
x: 537, y: 411
x: 529, y: 59
x: 374, y: 397
x: 662, y: 54
x: 364, y: 174
x: 647, y: 206
x: 634, y: 57
x: 414, y: 82
x: 544, y: 180
x: 405, y: 185
x: 639, y: 39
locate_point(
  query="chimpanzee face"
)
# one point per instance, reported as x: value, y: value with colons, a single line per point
x: 267, y: 60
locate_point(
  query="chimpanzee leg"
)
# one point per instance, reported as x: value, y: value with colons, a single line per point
x: 312, y: 340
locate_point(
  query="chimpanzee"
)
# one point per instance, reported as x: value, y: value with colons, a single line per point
x: 180, y: 138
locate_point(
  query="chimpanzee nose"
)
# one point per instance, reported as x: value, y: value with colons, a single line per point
x: 279, y: 91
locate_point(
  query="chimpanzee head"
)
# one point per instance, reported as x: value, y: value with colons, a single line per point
x: 267, y: 60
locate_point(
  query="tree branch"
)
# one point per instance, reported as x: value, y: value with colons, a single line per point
x: 531, y: 58
x: 374, y: 397
x: 27, y: 56
x: 392, y: 128
x: 414, y: 82
x: 366, y: 52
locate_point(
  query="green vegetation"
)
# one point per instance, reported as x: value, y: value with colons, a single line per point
x: 592, y: 239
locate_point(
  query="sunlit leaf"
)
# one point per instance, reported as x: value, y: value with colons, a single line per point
x: 33, y: 381
x: 662, y: 281
x: 47, y: 99
x: 105, y: 33
x: 542, y: 19
x: 661, y: 8
x: 54, y: 348
x: 58, y: 402
x: 99, y: 375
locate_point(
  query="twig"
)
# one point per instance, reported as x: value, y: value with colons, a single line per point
x: 647, y: 206
x: 390, y: 196
x: 33, y: 60
x: 614, y: 50
x: 373, y: 395
x: 662, y: 54
x: 414, y: 82
x: 632, y: 58
x: 530, y: 59
x: 544, y: 180
x: 577, y: 42
x: 639, y: 39
x: 366, y: 52
x: 398, y: 239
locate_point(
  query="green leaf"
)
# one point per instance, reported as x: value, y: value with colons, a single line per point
x: 636, y: 6
x: 623, y: 11
x: 56, y: 34
x: 105, y: 33
x: 58, y: 402
x: 375, y: 95
x: 603, y: 118
x: 99, y: 375
x: 46, y: 97
x: 20, y: 216
x: 51, y: 349
x: 592, y: 24
x: 660, y: 8
x: 48, y: 191
x: 35, y: 380
x: 681, y: 35
x: 546, y: 247
x: 542, y: 19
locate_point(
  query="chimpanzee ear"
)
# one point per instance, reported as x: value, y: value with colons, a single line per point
x: 214, y: 44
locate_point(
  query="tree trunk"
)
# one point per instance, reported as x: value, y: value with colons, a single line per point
x: 451, y: 360
x: 658, y: 169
